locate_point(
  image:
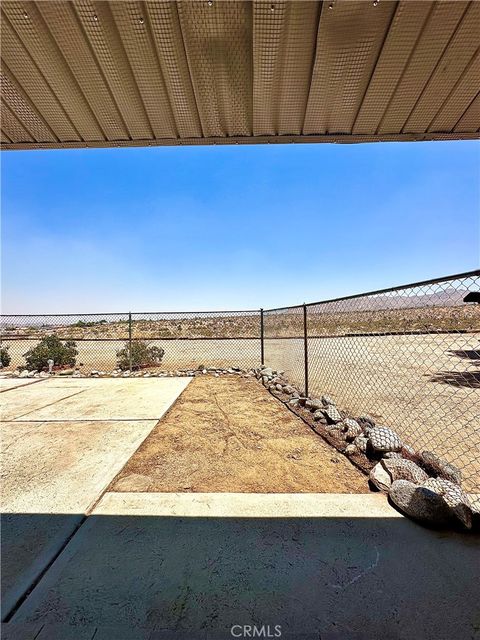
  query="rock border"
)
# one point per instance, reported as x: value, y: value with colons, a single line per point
x: 119, y: 373
x: 420, y: 484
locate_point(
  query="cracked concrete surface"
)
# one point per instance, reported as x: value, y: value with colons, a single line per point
x: 53, y: 471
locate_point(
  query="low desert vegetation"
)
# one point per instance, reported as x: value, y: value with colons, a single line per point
x: 63, y: 354
x: 139, y: 355
x: 5, y: 357
x: 323, y: 320
x: 82, y: 324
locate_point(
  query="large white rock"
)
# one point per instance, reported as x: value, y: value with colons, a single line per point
x: 380, y: 477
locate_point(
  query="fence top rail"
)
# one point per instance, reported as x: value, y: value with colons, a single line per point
x: 458, y: 276
x: 123, y: 313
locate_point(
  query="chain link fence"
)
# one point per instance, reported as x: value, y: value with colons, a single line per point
x: 135, y: 341
x: 409, y: 356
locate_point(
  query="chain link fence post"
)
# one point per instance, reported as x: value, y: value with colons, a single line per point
x: 130, y: 340
x: 305, y: 346
x: 262, y: 344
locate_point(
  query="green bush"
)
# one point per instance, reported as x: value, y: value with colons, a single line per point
x: 142, y: 355
x: 5, y: 357
x: 51, y: 348
x: 83, y: 324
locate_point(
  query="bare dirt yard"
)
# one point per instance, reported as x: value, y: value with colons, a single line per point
x: 425, y: 387
x: 229, y: 434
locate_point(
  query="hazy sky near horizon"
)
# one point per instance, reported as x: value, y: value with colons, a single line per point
x: 232, y: 227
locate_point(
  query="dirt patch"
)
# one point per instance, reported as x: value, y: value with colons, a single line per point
x: 230, y: 435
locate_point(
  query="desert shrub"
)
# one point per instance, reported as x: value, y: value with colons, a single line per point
x: 82, y: 324
x: 142, y: 355
x: 5, y: 357
x: 51, y: 347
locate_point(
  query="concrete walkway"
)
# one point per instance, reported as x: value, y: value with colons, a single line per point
x: 318, y: 565
x: 63, y: 441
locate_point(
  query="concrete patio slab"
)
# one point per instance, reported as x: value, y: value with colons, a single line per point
x: 337, y: 572
x: 30, y: 541
x: 20, y: 631
x: 22, y: 400
x: 54, y: 471
x: 104, y: 399
x: 12, y: 383
x: 62, y: 467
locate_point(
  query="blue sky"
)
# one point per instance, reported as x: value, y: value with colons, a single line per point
x: 204, y: 228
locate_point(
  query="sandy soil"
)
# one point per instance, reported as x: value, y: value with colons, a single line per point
x: 425, y: 387
x: 230, y: 435
x: 179, y: 354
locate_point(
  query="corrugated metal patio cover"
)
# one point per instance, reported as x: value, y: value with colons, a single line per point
x: 87, y: 73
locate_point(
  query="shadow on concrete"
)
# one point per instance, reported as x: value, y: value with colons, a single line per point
x: 29, y: 544
x: 325, y: 577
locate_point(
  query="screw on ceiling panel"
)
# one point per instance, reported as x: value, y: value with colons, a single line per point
x: 330, y: 6
x: 141, y: 20
x: 210, y: 3
x: 95, y: 18
x: 25, y: 14
x: 272, y: 8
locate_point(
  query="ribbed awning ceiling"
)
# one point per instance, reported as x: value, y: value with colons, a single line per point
x: 90, y: 74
